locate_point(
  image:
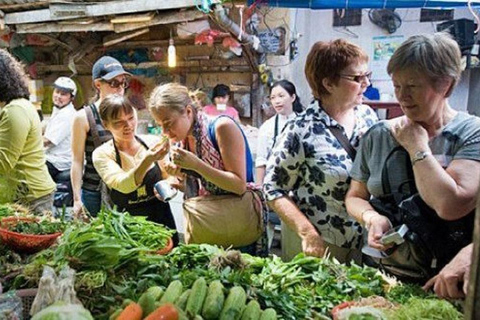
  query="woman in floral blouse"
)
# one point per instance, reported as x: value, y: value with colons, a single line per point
x: 308, y: 172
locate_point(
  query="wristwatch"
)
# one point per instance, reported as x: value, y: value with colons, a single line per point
x: 419, y: 156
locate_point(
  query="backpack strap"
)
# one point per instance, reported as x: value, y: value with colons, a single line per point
x: 93, y: 125
x: 248, y: 153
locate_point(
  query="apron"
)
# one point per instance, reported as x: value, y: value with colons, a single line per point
x: 142, y: 202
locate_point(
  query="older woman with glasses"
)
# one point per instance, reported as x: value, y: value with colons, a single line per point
x: 435, y: 159
x: 308, y: 172
x: 88, y: 133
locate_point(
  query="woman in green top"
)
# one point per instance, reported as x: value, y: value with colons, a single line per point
x: 24, y: 176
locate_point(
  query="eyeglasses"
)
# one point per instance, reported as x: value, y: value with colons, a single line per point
x: 115, y: 84
x: 357, y: 77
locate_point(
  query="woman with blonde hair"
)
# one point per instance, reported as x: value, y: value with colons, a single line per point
x: 207, y: 159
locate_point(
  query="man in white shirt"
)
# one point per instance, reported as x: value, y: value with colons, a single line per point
x: 57, y: 136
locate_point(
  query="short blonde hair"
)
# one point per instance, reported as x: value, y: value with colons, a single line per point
x: 435, y: 55
x: 173, y: 96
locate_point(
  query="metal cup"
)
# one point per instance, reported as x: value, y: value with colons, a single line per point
x: 165, y: 190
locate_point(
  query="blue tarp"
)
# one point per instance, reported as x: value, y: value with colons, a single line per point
x: 344, y: 4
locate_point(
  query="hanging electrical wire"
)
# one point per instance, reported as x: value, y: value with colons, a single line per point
x: 475, y: 15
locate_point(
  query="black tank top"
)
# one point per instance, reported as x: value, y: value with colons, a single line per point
x: 91, y: 179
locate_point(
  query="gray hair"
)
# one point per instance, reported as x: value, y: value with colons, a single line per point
x: 435, y: 55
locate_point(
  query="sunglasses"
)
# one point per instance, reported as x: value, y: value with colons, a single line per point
x: 115, y: 84
x: 357, y: 77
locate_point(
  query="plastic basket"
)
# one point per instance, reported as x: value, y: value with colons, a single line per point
x: 27, y: 296
x: 167, y: 248
x: 20, y: 242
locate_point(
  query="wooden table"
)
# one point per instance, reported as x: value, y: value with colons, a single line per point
x: 393, y: 108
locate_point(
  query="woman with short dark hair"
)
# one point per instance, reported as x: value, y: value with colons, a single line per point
x: 220, y: 97
x: 23, y: 173
x: 129, y: 164
x: 308, y: 171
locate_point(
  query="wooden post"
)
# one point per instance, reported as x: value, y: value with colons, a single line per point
x: 258, y: 95
x: 472, y: 306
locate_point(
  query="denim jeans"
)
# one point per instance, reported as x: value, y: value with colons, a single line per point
x: 92, y: 200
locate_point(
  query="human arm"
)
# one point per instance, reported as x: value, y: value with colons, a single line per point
x: 260, y: 174
x: 312, y: 242
x: 262, y: 154
x: 358, y: 207
x: 47, y: 143
x: 446, y: 283
x: 456, y: 186
x: 14, y: 128
x: 232, y: 150
x: 125, y: 180
x: 80, y: 128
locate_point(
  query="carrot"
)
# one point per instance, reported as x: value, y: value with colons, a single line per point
x: 164, y: 312
x: 131, y: 312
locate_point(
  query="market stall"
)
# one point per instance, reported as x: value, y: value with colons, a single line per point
x: 115, y: 271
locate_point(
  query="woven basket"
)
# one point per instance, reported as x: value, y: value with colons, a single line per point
x: 20, y: 242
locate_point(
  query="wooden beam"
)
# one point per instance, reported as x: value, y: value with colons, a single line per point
x: 110, y: 40
x: 61, y: 11
x: 133, y: 18
x: 29, y: 5
x: 207, y: 64
x: 55, y: 27
x: 162, y: 18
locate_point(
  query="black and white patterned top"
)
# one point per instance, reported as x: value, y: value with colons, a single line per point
x: 309, y: 164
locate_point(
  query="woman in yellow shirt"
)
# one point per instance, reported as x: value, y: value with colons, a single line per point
x: 128, y: 164
x: 24, y: 176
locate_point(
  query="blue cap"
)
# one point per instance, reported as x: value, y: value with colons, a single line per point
x: 107, y: 68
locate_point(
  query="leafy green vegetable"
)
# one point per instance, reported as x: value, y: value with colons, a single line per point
x: 61, y: 311
x: 39, y: 228
x: 426, y: 309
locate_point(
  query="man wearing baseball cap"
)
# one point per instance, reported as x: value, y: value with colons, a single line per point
x: 88, y: 133
x: 57, y: 136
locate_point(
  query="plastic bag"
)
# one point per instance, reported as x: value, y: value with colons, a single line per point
x: 10, y: 306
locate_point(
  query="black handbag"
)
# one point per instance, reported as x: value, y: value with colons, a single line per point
x: 431, y: 242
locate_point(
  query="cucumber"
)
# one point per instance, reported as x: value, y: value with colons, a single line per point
x: 156, y: 292
x: 269, y: 314
x: 182, y: 300
x: 173, y: 292
x: 232, y: 310
x: 252, y: 311
x: 197, y: 297
x: 214, y: 301
x: 147, y: 303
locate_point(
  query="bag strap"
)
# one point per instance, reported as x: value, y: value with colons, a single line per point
x: 275, y: 132
x: 248, y: 153
x: 387, y: 189
x: 343, y: 140
x: 93, y: 125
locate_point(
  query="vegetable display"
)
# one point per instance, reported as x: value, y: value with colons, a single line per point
x: 120, y: 277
